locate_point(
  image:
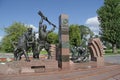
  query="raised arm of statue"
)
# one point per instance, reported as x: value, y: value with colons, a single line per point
x: 52, y: 28
x: 40, y: 24
x: 41, y: 21
x: 43, y: 17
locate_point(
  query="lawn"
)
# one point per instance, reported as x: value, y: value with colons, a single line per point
x: 43, y: 52
x: 109, y: 52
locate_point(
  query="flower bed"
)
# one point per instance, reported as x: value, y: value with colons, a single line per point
x: 6, y: 59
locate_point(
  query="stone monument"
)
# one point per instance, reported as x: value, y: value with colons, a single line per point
x: 96, y: 50
x: 63, y: 61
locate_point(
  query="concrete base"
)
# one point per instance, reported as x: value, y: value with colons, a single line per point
x: 65, y: 65
x: 98, y: 60
x: 77, y: 71
x: 18, y: 67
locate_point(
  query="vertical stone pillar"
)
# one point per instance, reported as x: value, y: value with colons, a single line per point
x: 63, y: 61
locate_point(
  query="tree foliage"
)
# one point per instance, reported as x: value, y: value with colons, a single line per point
x: 13, y: 32
x: 85, y: 33
x: 78, y: 34
x: 52, y: 38
x: 109, y: 18
x: 74, y: 34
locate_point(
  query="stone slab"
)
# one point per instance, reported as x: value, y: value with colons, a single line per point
x: 79, y: 71
x: 27, y: 70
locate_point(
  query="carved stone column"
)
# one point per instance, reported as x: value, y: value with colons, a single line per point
x: 63, y: 61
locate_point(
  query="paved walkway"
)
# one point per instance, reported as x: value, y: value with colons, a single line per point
x: 112, y: 58
x: 110, y: 72
x: 106, y: 73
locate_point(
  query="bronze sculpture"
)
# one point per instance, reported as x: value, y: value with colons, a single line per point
x: 79, y: 54
x: 23, y: 45
x: 43, y: 33
x: 28, y: 40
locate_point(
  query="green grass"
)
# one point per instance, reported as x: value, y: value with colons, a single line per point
x: 43, y: 52
x: 109, y: 52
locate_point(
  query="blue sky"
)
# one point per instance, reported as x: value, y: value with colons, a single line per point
x: 82, y: 12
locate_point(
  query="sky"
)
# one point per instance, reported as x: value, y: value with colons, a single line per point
x: 81, y: 12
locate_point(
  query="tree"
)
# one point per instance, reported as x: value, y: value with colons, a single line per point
x: 74, y: 32
x: 109, y: 18
x: 85, y: 32
x: 52, y: 38
x: 13, y: 32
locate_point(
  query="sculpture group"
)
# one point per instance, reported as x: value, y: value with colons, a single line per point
x: 28, y: 40
x: 79, y: 54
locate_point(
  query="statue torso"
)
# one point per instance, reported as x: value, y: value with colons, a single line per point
x: 43, y: 35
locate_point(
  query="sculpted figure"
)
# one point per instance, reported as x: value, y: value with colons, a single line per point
x: 23, y: 45
x: 35, y: 48
x: 79, y: 54
x: 73, y: 52
x: 43, y: 33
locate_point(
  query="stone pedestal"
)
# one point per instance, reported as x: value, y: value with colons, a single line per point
x: 34, y: 66
x: 100, y: 61
x: 53, y: 51
x: 63, y: 60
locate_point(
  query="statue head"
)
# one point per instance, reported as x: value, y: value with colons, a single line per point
x: 29, y: 30
x: 44, y: 27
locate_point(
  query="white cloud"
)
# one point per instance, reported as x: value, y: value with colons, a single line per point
x: 36, y: 35
x: 1, y: 38
x: 93, y: 24
x: 32, y: 26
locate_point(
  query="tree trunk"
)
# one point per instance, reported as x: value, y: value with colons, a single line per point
x: 114, y: 49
